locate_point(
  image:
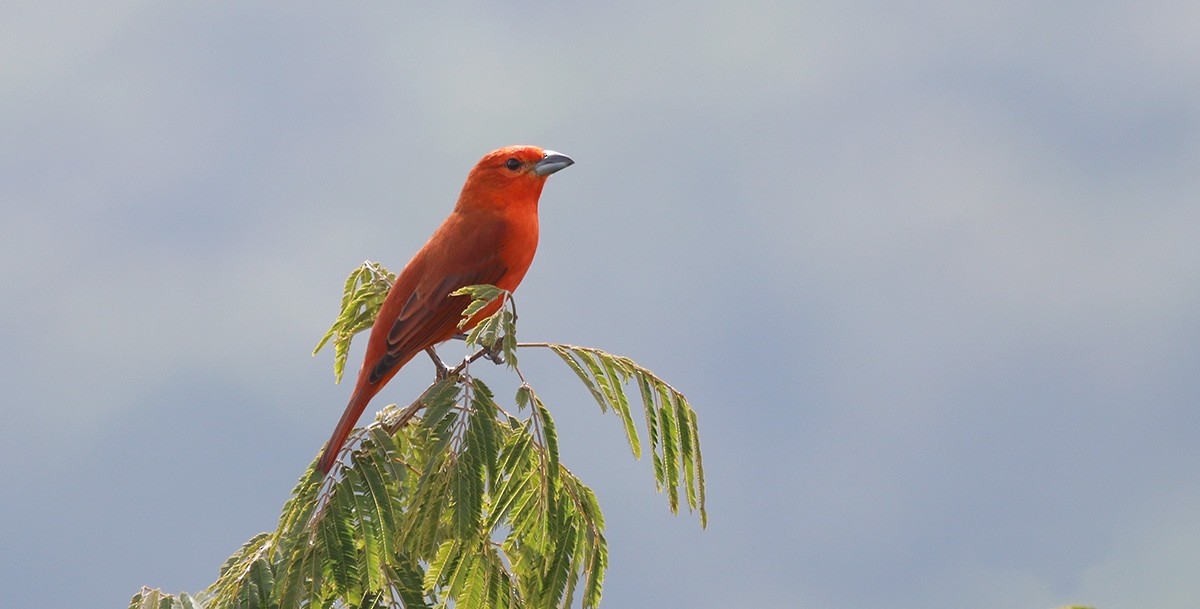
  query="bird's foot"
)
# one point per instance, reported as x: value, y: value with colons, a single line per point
x: 494, y: 354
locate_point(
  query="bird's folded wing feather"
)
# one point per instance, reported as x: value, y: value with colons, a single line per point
x: 431, y: 312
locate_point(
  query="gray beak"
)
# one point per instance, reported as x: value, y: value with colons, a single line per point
x: 551, y: 163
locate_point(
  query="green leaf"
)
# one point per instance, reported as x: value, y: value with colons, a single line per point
x: 482, y: 295
x: 294, y: 582
x: 695, y: 430
x: 338, y: 537
x: 406, y: 578
x: 475, y: 494
x: 567, y: 356
x: 669, y: 431
x: 434, y: 574
x: 586, y: 502
x: 501, y: 591
x: 474, y: 593
x: 648, y: 403
x: 428, y: 504
x: 515, y: 461
x: 234, y: 577
x: 376, y: 499
x: 597, y: 373
x: 187, y: 601
x: 475, y: 336
x: 597, y: 564
x: 529, y: 505
x: 363, y: 295
x: 347, y: 292
x: 155, y: 599
x: 549, y: 437
x: 524, y: 395
x: 490, y: 328
x: 439, y: 400
x: 260, y: 584
x: 559, y: 573
x: 368, y: 522
x: 674, y: 443
x: 460, y: 573
x: 621, y: 405
x: 509, y: 345
x: 497, y: 332
x: 482, y: 430
x: 686, y: 456
x: 466, y: 485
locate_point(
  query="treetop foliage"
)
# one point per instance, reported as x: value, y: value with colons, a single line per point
x: 455, y: 499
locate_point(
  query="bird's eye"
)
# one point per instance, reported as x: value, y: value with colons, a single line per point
x: 512, y: 164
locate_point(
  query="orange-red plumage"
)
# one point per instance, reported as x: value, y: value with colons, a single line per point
x: 490, y: 237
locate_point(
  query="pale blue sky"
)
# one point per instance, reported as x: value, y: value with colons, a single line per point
x: 929, y: 273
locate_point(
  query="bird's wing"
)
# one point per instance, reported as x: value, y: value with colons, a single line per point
x: 431, y: 312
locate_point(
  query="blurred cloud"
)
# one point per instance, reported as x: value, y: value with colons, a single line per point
x: 928, y: 272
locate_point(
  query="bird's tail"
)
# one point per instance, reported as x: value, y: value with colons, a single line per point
x: 358, y: 403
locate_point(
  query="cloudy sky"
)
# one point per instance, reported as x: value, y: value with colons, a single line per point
x: 929, y: 273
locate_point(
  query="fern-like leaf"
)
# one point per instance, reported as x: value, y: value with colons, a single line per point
x: 406, y: 579
x: 364, y: 292
x: 451, y: 501
x: 497, y: 332
x: 670, y: 420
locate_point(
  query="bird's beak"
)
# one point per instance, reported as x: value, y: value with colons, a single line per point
x: 551, y: 163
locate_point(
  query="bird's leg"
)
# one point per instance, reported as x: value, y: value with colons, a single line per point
x: 442, y: 371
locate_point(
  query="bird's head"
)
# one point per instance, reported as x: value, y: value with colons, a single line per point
x: 512, y: 175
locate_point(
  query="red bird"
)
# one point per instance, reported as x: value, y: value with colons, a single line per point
x: 490, y: 237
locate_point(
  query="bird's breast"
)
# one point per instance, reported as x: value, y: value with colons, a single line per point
x: 518, y: 247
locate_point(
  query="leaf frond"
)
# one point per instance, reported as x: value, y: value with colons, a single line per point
x: 363, y: 294
x: 670, y: 421
x: 454, y: 501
